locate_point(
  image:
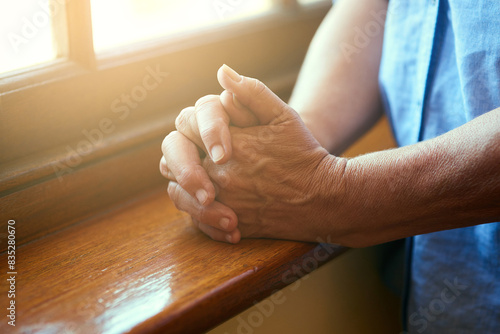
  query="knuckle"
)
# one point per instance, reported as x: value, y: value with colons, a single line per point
x: 208, y: 110
x: 183, y: 120
x: 187, y: 176
x: 212, y: 129
x: 203, y: 101
x: 225, y: 182
x: 257, y: 86
x: 180, y: 120
x: 163, y: 168
x: 184, y: 175
x: 171, y: 137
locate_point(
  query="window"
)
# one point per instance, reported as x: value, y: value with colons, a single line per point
x: 120, y: 22
x: 84, y: 84
x: 35, y: 31
x: 26, y: 34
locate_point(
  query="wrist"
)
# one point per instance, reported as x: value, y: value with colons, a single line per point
x: 330, y: 189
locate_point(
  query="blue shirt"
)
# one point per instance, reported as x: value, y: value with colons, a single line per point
x: 440, y: 69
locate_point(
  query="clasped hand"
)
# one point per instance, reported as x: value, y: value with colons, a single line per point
x: 243, y: 164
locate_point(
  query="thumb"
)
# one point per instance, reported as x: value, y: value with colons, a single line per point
x: 252, y: 94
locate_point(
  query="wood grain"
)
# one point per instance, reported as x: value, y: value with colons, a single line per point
x: 143, y: 268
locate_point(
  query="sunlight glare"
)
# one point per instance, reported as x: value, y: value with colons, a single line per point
x: 121, y: 22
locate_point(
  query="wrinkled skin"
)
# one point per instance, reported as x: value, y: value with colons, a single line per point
x: 270, y: 176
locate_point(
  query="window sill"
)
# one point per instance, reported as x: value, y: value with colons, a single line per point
x: 143, y: 268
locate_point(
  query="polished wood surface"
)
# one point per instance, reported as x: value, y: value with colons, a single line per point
x: 143, y: 268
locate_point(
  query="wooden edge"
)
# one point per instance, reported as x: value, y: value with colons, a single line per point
x: 26, y: 78
x: 240, y: 293
x: 62, y: 265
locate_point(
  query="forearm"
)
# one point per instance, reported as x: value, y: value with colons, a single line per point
x: 337, y: 93
x: 448, y: 182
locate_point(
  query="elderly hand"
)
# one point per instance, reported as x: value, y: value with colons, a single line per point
x: 271, y: 176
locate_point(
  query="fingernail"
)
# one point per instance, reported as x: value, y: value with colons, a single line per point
x: 224, y: 223
x: 202, y: 196
x: 232, y: 74
x: 229, y: 238
x: 217, y: 153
